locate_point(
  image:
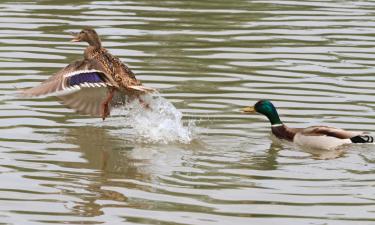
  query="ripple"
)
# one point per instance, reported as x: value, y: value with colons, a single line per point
x: 199, y: 161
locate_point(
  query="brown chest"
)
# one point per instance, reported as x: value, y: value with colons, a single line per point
x: 112, y: 66
x: 282, y: 132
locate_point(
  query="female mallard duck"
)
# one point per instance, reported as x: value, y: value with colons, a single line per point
x: 316, y: 137
x: 89, y: 85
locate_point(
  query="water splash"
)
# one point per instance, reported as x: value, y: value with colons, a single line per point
x: 161, y: 122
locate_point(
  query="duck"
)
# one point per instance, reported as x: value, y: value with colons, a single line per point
x: 313, y: 137
x: 94, y: 84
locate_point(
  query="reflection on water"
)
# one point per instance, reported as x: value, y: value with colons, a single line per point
x: 208, y: 59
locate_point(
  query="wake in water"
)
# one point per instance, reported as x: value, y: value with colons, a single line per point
x: 161, y: 123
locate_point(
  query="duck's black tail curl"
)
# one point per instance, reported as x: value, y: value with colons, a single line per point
x: 362, y: 139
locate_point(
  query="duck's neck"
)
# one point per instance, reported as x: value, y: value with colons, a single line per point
x: 95, y: 42
x: 273, y: 117
x: 95, y: 45
x: 281, y: 131
x: 92, y: 52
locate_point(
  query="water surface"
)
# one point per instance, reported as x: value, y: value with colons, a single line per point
x: 313, y: 59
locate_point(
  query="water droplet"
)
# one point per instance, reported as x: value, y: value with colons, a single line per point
x: 160, y: 122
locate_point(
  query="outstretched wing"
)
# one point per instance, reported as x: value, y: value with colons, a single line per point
x: 77, y: 75
x: 81, y: 85
x: 86, y: 101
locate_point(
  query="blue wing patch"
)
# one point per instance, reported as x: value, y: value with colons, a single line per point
x: 85, y: 77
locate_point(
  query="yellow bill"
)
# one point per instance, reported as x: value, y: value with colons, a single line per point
x: 249, y: 109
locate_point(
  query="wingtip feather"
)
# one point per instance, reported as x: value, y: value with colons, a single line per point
x: 142, y: 88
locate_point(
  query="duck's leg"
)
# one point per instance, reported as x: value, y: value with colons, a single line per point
x: 105, y: 104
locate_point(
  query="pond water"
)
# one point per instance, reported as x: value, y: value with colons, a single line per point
x: 197, y: 160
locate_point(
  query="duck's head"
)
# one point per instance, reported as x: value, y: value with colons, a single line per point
x: 88, y: 35
x: 266, y: 108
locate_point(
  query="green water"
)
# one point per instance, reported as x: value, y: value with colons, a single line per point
x: 313, y: 59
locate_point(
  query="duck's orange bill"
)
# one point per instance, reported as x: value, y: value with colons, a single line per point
x: 249, y: 109
x: 76, y: 37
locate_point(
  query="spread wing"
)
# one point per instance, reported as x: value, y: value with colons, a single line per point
x: 79, y: 74
x: 329, y: 131
x: 82, y: 85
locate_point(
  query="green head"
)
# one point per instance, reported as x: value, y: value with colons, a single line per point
x: 266, y: 108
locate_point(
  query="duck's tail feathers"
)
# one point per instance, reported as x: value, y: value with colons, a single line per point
x: 362, y: 139
x: 142, y: 88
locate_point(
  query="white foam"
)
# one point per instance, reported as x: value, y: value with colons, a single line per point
x: 160, y: 122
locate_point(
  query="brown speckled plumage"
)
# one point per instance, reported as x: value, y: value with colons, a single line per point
x: 112, y: 65
x: 107, y: 79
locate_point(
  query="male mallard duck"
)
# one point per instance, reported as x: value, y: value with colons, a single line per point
x: 89, y: 85
x: 316, y: 137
